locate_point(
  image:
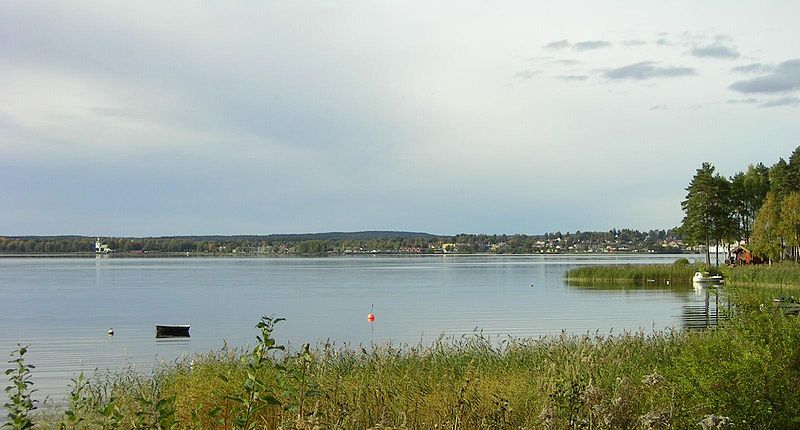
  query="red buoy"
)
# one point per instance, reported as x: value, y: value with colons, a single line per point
x: 370, y: 315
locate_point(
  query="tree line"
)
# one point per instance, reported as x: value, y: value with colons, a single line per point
x: 622, y: 240
x: 759, y: 207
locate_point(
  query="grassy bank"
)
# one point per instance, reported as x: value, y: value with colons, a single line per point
x: 680, y: 272
x: 747, y: 370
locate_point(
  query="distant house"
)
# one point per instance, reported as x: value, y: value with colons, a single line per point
x: 741, y: 256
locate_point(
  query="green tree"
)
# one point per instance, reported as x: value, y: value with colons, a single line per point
x: 793, y: 170
x: 725, y: 225
x: 766, y: 240
x: 708, y: 210
x: 780, y: 184
x: 748, y: 191
x: 789, y: 224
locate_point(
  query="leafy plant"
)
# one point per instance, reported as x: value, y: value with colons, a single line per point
x: 111, y: 415
x: 19, y: 393
x: 256, y: 393
x: 73, y: 415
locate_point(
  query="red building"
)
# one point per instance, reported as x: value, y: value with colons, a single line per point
x: 741, y: 255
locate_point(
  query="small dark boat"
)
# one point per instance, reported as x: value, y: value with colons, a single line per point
x: 172, y: 330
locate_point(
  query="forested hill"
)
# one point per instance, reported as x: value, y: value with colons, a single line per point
x: 296, y: 237
x: 290, y: 237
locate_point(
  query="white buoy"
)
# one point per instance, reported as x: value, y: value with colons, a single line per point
x: 110, y: 332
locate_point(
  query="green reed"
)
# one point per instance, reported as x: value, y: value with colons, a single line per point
x: 660, y: 274
x: 782, y: 274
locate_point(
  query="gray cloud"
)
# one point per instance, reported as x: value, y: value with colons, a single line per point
x: 647, y: 70
x: 558, y: 44
x: 573, y: 77
x: 783, y: 101
x: 566, y: 62
x: 586, y: 45
x: 749, y: 100
x: 633, y: 42
x: 526, y: 74
x: 753, y: 68
x: 716, y: 51
x: 663, y: 42
x: 785, y: 78
x: 658, y: 107
x: 589, y: 45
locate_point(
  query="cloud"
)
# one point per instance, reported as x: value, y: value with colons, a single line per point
x: 573, y: 77
x: 716, y: 51
x: 526, y: 74
x: 785, y: 78
x: 783, y: 101
x: 647, y: 70
x: 557, y: 45
x: 589, y: 45
x: 663, y: 42
x: 723, y: 38
x: 566, y: 62
x: 633, y: 42
x: 753, y: 68
x: 658, y: 107
x: 586, y: 45
x: 749, y: 100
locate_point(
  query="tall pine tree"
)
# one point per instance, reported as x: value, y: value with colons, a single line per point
x: 708, y: 211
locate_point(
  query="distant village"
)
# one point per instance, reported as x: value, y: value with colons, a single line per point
x: 613, y: 241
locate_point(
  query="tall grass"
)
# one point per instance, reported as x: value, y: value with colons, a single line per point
x: 636, y: 274
x: 747, y: 371
x: 781, y: 274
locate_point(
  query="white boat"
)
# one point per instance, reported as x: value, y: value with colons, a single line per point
x: 705, y: 278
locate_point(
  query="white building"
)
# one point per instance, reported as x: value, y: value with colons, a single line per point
x: 101, y: 248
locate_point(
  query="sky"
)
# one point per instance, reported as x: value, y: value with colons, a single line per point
x: 258, y: 117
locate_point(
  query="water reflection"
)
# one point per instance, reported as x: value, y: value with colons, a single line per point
x: 704, y: 304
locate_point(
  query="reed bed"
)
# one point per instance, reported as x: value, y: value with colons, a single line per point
x: 635, y: 274
x: 744, y: 372
x: 780, y: 274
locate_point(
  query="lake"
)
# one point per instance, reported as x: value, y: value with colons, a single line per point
x: 62, y: 307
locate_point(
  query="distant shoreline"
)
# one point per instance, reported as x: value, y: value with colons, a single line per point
x: 364, y: 254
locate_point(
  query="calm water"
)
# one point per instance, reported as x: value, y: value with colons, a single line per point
x: 63, y: 307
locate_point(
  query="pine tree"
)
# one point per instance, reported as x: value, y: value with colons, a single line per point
x: 708, y: 209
